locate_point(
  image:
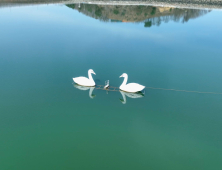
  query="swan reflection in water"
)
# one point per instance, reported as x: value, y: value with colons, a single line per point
x: 123, y: 93
x: 86, y: 88
x: 130, y: 95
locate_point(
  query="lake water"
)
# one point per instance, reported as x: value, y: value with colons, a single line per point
x: 48, y: 123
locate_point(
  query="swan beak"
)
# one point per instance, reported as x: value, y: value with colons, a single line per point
x: 121, y: 76
x: 94, y: 73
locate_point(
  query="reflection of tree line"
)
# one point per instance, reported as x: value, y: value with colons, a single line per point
x: 93, y: 11
x: 147, y: 14
x: 182, y: 15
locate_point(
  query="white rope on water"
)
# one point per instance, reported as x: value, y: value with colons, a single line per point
x: 183, y: 90
x: 111, y: 88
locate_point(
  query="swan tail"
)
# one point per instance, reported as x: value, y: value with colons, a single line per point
x: 142, y: 87
x: 74, y: 79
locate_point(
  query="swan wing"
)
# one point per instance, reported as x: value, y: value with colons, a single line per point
x: 83, y: 81
x: 133, y: 87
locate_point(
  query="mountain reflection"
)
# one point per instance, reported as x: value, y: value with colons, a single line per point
x: 149, y: 15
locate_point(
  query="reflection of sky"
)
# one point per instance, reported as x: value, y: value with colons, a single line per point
x: 61, y: 15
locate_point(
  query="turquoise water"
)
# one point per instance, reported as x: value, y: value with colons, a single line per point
x: 47, y: 123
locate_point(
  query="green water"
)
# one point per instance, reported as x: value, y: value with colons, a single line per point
x: 47, y: 123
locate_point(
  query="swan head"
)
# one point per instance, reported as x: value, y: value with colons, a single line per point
x: 123, y: 75
x: 91, y: 71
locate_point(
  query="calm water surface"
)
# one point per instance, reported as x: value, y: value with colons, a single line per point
x: 47, y: 123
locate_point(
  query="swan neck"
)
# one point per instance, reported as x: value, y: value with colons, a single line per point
x: 90, y: 76
x: 124, y: 81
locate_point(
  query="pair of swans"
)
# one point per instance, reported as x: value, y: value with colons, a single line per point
x: 131, y: 87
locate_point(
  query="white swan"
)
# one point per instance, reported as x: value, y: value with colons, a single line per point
x: 131, y: 87
x: 83, y: 81
x: 130, y: 95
